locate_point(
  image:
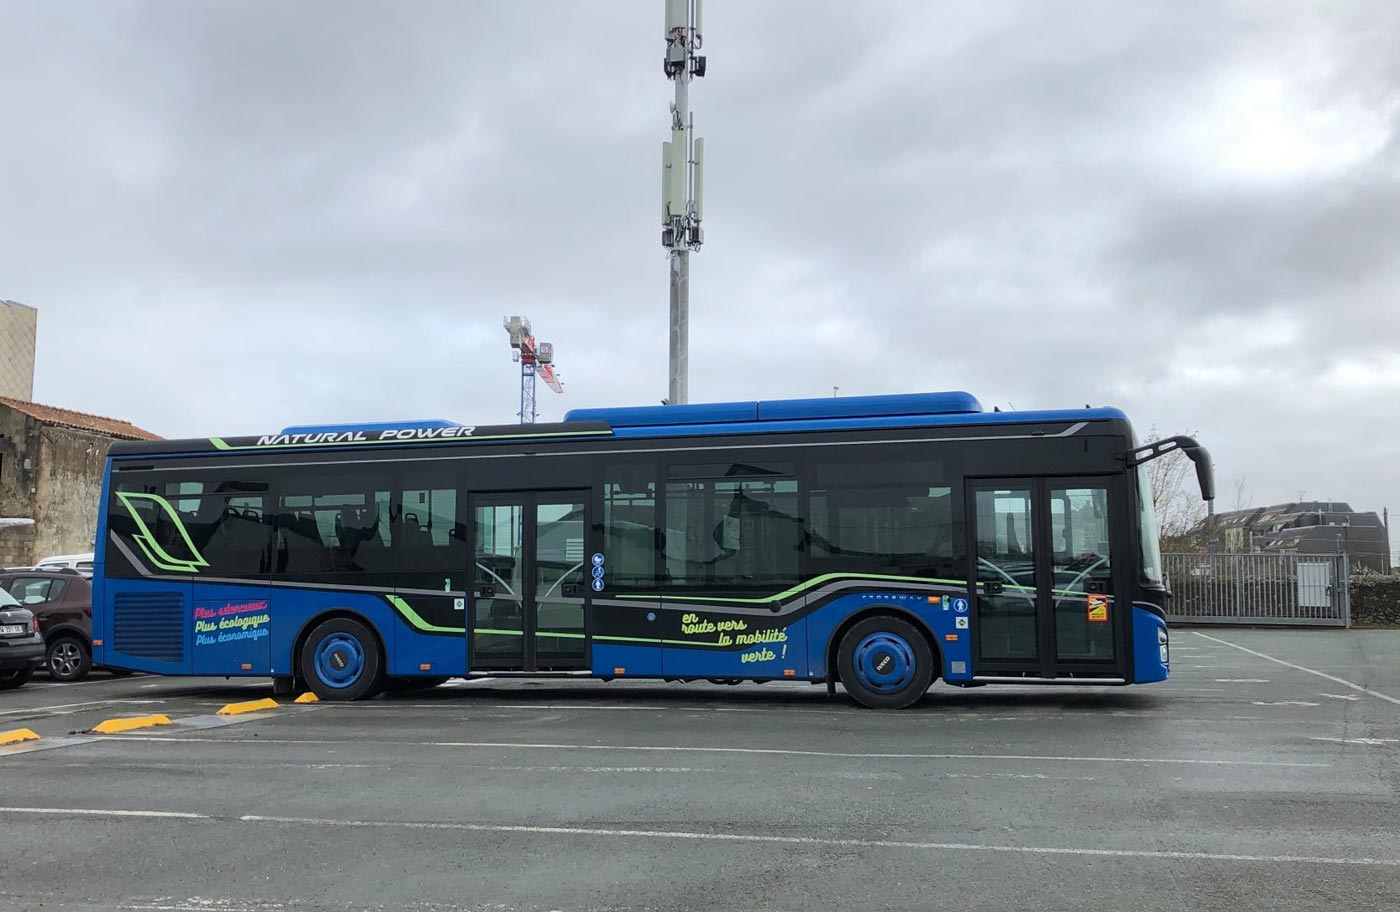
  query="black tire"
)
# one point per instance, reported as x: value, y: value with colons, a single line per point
x: 896, y: 663
x: 119, y: 672
x: 68, y: 658
x: 342, y: 661
x: 18, y: 677
x: 409, y: 685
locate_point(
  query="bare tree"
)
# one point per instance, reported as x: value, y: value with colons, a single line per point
x: 1243, y: 499
x: 1175, y: 498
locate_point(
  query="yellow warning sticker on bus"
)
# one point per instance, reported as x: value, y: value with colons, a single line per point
x: 1098, y: 607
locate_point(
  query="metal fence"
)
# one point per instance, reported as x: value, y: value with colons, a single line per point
x: 1268, y: 588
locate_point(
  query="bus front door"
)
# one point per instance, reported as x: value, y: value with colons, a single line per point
x: 529, y: 582
x: 1048, y: 601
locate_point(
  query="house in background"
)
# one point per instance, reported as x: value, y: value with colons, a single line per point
x: 1305, y: 527
x: 51, y: 462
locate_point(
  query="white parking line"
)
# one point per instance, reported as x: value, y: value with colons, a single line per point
x: 54, y: 709
x: 766, y: 751
x: 712, y: 836
x: 103, y: 812
x: 815, y: 841
x: 44, y: 685
x: 1335, y: 680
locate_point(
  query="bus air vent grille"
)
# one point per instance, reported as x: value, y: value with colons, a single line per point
x: 149, y: 625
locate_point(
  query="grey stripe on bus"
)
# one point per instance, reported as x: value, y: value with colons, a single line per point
x: 1067, y: 432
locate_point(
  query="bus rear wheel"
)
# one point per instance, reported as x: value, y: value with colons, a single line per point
x: 885, y: 663
x: 342, y: 661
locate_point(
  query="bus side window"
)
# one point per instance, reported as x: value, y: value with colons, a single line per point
x: 732, y: 527
x: 629, y: 526
x: 887, y: 515
x: 429, y: 532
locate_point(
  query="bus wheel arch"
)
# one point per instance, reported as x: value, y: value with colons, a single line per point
x: 903, y: 627
x: 376, y: 656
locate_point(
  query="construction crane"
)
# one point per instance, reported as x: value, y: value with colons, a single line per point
x: 535, y: 359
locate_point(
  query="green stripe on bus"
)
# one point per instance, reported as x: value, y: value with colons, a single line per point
x: 799, y: 588
x: 405, y: 609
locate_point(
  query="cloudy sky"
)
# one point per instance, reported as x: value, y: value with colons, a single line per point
x: 238, y: 215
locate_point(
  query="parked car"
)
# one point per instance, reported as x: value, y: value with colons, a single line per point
x: 62, y: 601
x: 80, y: 562
x: 21, y: 644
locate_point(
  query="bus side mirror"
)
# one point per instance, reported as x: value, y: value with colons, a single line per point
x: 1205, y: 471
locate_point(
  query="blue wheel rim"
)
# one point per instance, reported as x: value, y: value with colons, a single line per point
x: 339, y: 660
x: 885, y: 662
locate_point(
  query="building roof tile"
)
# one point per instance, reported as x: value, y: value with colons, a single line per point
x: 97, y: 424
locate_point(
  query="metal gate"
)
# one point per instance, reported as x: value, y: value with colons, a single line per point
x: 1283, y: 589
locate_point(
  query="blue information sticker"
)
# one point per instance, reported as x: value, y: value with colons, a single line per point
x: 598, y: 558
x: 597, y: 585
x: 960, y: 605
x: 597, y: 573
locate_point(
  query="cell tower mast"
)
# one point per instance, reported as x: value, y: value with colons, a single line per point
x: 536, y: 359
x: 682, y: 182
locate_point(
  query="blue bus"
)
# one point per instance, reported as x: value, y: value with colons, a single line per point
x: 881, y: 542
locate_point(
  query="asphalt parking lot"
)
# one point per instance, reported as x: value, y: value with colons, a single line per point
x: 1264, y: 775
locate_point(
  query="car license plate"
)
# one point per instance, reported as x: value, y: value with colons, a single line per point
x: 9, y: 630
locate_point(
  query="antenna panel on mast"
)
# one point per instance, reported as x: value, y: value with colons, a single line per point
x: 673, y: 166
x: 698, y: 180
x: 677, y: 15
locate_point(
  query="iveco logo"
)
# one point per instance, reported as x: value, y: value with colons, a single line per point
x: 883, y: 664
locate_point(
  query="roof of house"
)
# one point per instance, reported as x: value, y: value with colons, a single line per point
x: 97, y: 424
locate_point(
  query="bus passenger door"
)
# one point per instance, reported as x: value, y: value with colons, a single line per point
x: 530, y: 582
x: 1004, y: 592
x: 496, y: 622
x: 560, y: 584
x: 1045, y: 593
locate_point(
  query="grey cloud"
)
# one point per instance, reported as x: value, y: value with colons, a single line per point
x: 258, y: 213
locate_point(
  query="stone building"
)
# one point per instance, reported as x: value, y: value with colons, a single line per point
x: 51, y: 478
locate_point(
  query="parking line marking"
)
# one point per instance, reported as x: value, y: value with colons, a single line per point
x: 842, y: 842
x: 525, y: 745
x: 102, y: 812
x: 770, y: 751
x: 58, y: 706
x: 701, y: 836
x: 1321, y: 674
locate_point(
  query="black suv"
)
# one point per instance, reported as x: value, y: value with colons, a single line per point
x: 21, y: 646
x: 62, y: 600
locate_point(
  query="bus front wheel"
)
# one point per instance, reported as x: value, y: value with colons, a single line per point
x: 885, y: 663
x: 341, y: 661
